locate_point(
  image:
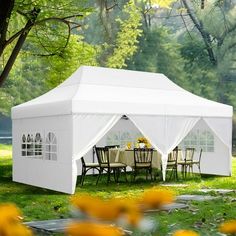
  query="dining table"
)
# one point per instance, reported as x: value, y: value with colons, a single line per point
x: 126, y: 156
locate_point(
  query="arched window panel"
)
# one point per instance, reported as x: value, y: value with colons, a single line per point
x: 23, y: 146
x: 38, y: 147
x: 31, y: 145
x: 51, y: 147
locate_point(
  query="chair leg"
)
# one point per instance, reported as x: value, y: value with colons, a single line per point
x: 99, y: 175
x: 82, y: 176
x: 182, y: 171
x: 114, y: 174
x: 176, y: 173
x: 125, y: 174
x: 134, y: 175
x: 171, y: 173
x: 199, y: 168
x: 108, y: 175
x: 82, y: 179
x: 150, y: 171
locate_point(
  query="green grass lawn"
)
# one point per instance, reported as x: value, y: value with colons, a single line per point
x: 42, y: 204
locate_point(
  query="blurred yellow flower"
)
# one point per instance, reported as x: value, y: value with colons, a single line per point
x: 228, y: 227
x: 109, y: 210
x: 133, y: 218
x: 155, y: 198
x: 129, y: 145
x: 92, y: 229
x: 16, y: 230
x: 183, y: 232
x: 142, y: 140
x: 9, y: 213
x: 10, y: 221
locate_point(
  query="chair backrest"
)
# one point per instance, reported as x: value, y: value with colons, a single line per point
x: 102, y: 155
x: 173, y: 156
x: 83, y: 162
x: 189, y: 152
x: 112, y: 146
x: 143, y: 155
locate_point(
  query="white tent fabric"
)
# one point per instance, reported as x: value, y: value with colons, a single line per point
x: 93, y: 127
x: 164, y: 132
x: 222, y: 128
x: 96, y: 90
x: 85, y: 107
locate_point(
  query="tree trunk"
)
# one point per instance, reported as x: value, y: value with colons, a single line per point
x: 5, y: 14
x: 18, y: 46
x: 204, y: 34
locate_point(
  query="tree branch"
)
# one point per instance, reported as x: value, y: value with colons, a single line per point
x: 18, y: 46
x: 205, y: 35
x: 5, y: 14
x: 64, y: 20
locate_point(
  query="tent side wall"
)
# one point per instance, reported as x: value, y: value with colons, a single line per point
x: 216, y: 156
x: 42, y: 152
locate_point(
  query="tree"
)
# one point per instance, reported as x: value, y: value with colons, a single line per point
x: 159, y: 52
x: 127, y: 38
x: 217, y: 29
x: 17, y: 18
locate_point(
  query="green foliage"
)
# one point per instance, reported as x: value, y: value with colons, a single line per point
x: 77, y: 53
x: 126, y: 40
x: 201, y: 76
x: 26, y: 81
x: 159, y: 52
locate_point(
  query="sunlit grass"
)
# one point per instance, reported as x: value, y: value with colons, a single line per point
x: 41, y: 204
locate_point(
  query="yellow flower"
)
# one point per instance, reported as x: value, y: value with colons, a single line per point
x: 142, y: 140
x: 155, y: 198
x: 228, y: 227
x: 129, y: 145
x: 10, y: 221
x: 129, y: 210
x: 9, y: 213
x: 16, y: 230
x: 92, y: 229
x: 133, y: 217
x: 183, y: 232
x: 99, y: 209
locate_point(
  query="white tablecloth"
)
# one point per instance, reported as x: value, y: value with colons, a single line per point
x: 127, y: 157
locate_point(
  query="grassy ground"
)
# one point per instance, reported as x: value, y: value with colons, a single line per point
x: 42, y: 204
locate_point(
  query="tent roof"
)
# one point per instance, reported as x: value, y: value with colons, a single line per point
x: 116, y: 91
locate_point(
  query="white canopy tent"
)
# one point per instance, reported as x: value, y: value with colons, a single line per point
x: 54, y: 130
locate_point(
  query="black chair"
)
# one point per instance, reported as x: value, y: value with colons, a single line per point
x: 112, y: 146
x: 86, y: 167
x: 105, y: 165
x: 187, y: 163
x: 143, y: 161
x: 198, y: 162
x: 172, y: 163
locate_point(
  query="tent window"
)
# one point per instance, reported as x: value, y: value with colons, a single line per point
x: 23, y: 146
x: 51, y: 147
x: 31, y: 146
x: 38, y: 146
x: 199, y: 139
